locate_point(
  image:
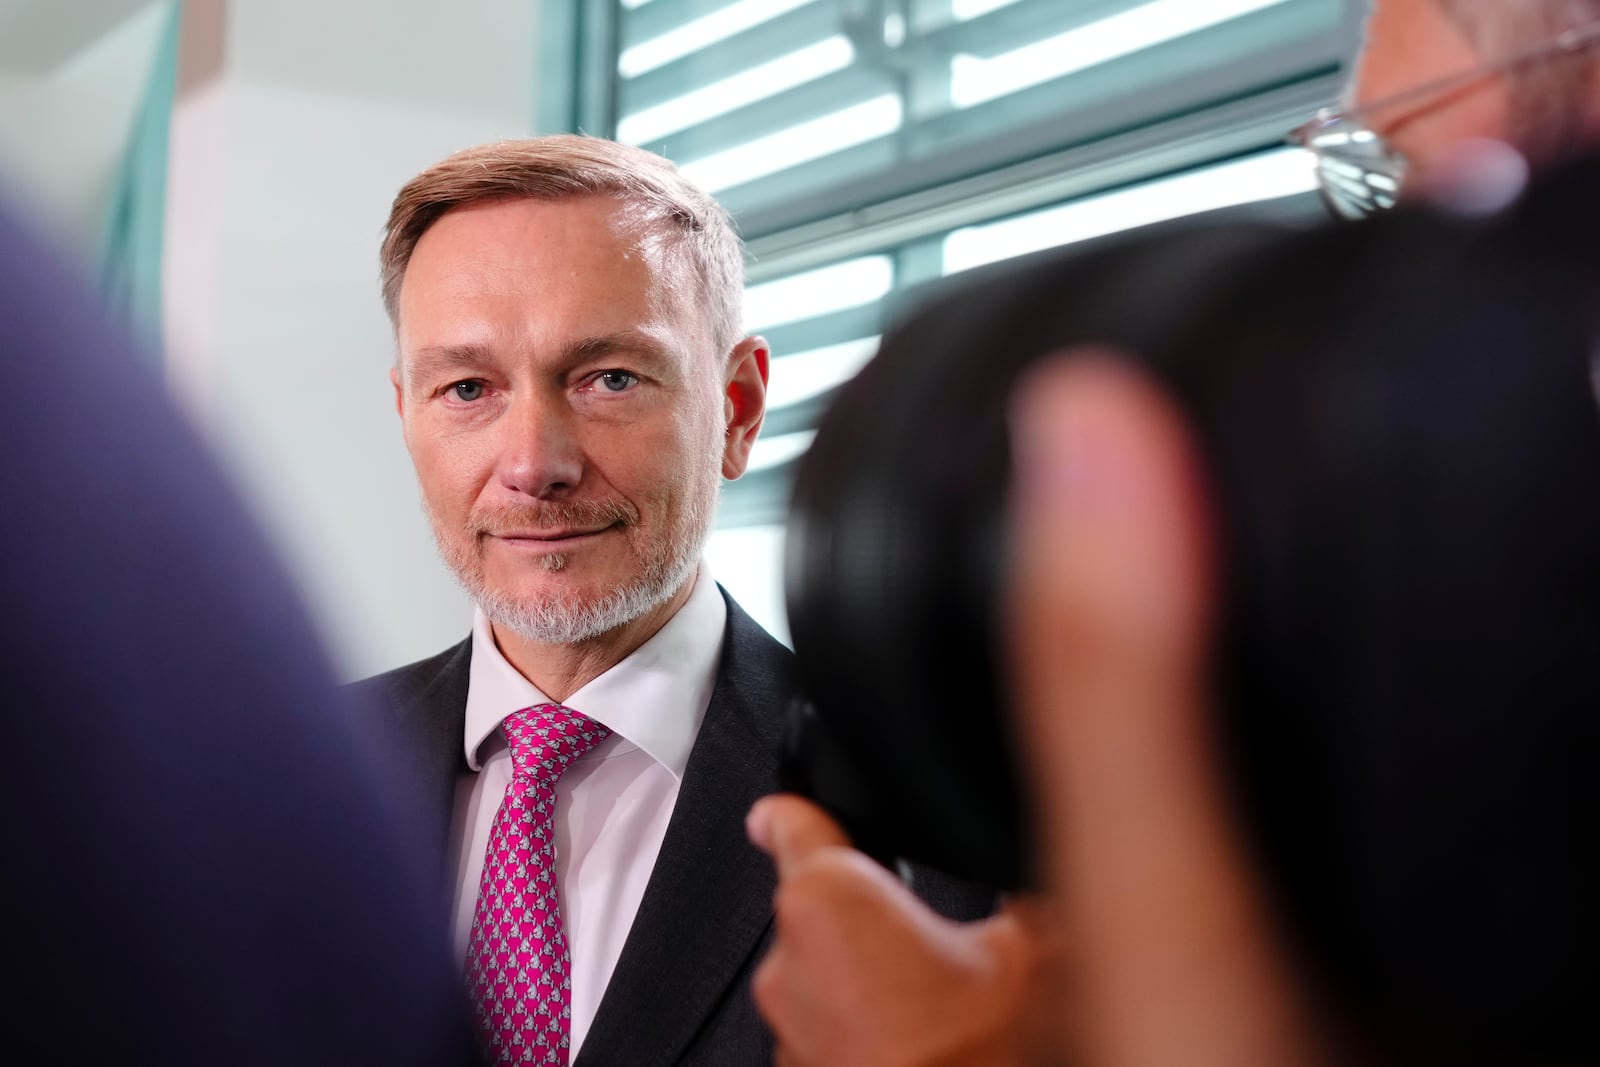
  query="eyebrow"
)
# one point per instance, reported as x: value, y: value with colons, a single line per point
x: 433, y: 358
x: 622, y: 341
x: 430, y: 357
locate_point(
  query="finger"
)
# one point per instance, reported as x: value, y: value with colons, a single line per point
x: 791, y: 830
x: 1111, y: 553
x: 1109, y: 602
x: 767, y: 988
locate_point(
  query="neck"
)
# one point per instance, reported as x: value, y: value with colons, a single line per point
x: 561, y: 670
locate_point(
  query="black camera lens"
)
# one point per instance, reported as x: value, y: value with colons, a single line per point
x: 1398, y: 419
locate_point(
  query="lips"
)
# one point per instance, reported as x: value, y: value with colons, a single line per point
x: 552, y: 522
x: 548, y: 535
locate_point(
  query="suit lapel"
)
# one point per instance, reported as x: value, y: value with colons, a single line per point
x: 424, y: 710
x: 709, y: 898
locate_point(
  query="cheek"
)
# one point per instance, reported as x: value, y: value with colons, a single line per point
x: 1408, y: 43
x: 450, y: 475
x: 645, y: 468
x: 654, y: 469
x: 1378, y: 75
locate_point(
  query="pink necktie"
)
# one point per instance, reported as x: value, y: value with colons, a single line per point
x: 518, y: 968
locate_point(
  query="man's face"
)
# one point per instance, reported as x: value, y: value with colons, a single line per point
x: 565, y: 411
x: 1410, y: 43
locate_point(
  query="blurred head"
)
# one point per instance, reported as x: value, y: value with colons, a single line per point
x: 1454, y: 98
x: 1544, y: 107
x: 569, y: 376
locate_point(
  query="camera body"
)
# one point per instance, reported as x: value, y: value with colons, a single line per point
x: 1399, y: 424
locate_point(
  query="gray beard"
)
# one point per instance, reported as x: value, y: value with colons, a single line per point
x: 555, y: 621
x: 558, y: 620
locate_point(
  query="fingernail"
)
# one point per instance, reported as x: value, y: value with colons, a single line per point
x: 1058, y: 454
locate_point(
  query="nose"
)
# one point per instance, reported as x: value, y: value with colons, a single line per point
x: 539, y: 452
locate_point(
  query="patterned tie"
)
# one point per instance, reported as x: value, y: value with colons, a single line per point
x: 518, y: 968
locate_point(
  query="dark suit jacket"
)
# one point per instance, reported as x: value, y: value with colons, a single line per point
x: 680, y: 993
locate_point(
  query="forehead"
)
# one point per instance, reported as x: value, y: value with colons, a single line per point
x: 584, y: 263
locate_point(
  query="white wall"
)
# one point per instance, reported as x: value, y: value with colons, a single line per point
x: 748, y: 561
x: 285, y: 156
x: 296, y: 121
x: 69, y: 90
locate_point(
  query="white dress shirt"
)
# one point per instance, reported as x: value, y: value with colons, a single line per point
x: 613, y: 802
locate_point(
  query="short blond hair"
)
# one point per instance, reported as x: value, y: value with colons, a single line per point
x: 566, y: 166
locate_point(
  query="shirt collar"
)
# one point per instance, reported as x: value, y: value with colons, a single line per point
x: 654, y: 699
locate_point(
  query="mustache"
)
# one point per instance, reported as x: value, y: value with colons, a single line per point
x: 550, y: 515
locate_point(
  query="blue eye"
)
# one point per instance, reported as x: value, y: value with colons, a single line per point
x: 616, y: 381
x: 468, y: 391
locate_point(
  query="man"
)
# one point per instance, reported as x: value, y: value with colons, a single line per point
x: 572, y: 381
x: 1171, y: 957
x: 200, y: 864
x: 1439, y: 79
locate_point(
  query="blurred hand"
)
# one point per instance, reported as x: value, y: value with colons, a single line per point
x: 1110, y: 596
x: 862, y: 972
x: 1174, y: 957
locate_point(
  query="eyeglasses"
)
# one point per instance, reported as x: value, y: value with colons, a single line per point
x: 1358, y: 173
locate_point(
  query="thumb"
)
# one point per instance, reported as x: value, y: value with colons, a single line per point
x: 1111, y: 564
x: 791, y: 830
x: 1110, y: 598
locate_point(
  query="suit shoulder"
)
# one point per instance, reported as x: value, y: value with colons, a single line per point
x: 755, y: 677
x: 747, y: 646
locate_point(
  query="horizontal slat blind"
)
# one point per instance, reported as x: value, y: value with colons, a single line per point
x: 869, y: 146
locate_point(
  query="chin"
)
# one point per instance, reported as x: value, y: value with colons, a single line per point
x: 570, y: 617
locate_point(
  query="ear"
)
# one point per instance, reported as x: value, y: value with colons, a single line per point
x: 399, y: 393
x: 744, y: 403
